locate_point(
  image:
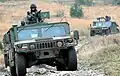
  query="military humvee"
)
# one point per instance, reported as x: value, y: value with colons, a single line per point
x: 40, y: 43
x: 102, y: 27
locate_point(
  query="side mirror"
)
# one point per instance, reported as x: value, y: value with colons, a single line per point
x: 76, y: 35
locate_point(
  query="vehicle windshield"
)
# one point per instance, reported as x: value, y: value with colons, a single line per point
x: 102, y: 24
x: 98, y: 24
x: 31, y: 33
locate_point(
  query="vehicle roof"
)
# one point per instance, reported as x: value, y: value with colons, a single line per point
x: 42, y: 24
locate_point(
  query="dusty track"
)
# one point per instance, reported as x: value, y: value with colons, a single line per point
x: 86, y: 46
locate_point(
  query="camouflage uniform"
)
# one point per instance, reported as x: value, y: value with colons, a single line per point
x: 32, y: 16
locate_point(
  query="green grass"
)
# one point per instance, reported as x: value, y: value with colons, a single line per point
x: 107, y: 59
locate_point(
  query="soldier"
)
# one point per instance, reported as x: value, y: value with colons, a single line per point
x: 32, y: 15
x: 107, y: 21
x: 107, y: 18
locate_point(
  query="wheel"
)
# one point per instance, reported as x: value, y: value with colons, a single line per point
x: 61, y: 67
x: 71, y: 59
x: 13, y: 71
x: 91, y: 33
x: 107, y: 32
x: 6, y: 60
x: 118, y: 31
x: 20, y: 65
x: 61, y: 64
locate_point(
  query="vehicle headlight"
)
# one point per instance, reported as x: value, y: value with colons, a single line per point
x: 59, y: 44
x: 32, y: 46
x: 105, y: 28
x: 19, y: 45
x: 23, y: 46
x: 70, y: 40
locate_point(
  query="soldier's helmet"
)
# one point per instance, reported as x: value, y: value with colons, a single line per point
x: 33, y: 8
x: 107, y: 18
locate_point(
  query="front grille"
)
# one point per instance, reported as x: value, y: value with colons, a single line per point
x: 44, y: 45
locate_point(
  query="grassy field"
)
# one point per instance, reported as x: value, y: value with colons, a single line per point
x: 107, y: 59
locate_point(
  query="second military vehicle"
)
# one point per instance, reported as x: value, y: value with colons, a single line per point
x: 103, y: 26
x: 40, y: 43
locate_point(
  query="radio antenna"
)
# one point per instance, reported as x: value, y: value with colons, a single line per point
x: 63, y: 18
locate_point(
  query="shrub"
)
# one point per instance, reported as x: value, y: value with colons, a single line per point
x: 116, y: 2
x: 59, y: 13
x: 75, y: 11
x: 85, y: 2
x: 1, y: 46
x: 1, y: 0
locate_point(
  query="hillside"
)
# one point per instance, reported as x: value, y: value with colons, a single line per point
x: 10, y: 14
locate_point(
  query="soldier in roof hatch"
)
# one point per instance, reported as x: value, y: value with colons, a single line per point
x: 32, y: 15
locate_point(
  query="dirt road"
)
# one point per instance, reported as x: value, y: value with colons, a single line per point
x: 45, y: 70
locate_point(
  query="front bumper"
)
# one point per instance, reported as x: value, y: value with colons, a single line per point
x: 45, y: 45
x: 99, y: 30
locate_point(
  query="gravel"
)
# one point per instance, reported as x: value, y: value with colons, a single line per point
x: 45, y: 70
x: 84, y: 69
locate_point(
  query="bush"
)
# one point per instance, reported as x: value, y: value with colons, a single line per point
x: 84, y: 32
x: 75, y: 11
x: 85, y: 2
x: 59, y: 13
x: 116, y: 2
x: 1, y: 46
x: 1, y: 0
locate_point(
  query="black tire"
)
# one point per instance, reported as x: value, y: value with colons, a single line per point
x: 107, y: 32
x: 118, y: 31
x: 91, y: 33
x: 20, y: 65
x: 13, y: 71
x: 6, y: 60
x: 71, y: 59
x: 61, y: 67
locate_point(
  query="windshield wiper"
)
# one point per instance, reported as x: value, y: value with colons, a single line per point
x: 49, y: 27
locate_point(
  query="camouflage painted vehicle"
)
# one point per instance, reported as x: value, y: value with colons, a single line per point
x: 40, y: 43
x: 102, y: 27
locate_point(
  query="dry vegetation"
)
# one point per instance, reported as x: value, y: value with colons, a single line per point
x: 10, y: 14
x: 1, y: 58
x: 101, y: 52
x: 107, y: 59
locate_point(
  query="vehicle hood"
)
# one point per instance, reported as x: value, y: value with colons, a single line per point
x: 40, y: 39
